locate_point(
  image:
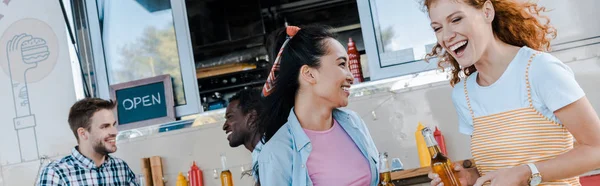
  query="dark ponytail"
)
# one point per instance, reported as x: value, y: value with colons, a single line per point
x: 305, y: 48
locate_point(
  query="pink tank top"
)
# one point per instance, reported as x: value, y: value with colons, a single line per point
x: 335, y: 159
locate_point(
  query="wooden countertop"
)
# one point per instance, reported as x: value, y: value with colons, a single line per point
x: 419, y: 175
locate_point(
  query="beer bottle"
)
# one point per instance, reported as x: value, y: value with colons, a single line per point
x: 440, y: 164
x: 385, y: 177
x: 226, y: 178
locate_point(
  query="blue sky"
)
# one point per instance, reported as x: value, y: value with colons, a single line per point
x: 124, y: 23
x: 410, y: 24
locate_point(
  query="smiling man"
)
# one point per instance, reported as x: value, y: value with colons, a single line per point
x: 240, y: 123
x: 240, y: 120
x: 94, y: 126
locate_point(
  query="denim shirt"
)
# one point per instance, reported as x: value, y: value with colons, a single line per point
x: 283, y: 158
x: 255, y: 154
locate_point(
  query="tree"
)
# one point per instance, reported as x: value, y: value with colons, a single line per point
x: 386, y: 37
x: 154, y: 53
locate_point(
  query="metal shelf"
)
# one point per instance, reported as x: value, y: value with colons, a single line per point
x: 234, y: 86
x: 232, y: 73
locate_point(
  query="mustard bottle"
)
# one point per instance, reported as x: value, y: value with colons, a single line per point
x: 424, y: 157
x: 181, y: 181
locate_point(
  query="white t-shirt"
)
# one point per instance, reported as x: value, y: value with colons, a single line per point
x: 553, y: 86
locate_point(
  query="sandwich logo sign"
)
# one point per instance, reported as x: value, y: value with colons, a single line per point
x: 28, y: 53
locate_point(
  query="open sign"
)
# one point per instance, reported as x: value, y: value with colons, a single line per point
x: 152, y: 99
x: 143, y: 102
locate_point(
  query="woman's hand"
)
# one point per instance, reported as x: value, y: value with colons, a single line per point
x: 465, y: 176
x: 509, y: 176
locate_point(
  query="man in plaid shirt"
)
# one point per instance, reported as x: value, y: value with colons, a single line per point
x: 93, y: 123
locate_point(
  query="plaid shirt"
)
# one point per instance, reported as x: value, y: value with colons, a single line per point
x: 76, y: 170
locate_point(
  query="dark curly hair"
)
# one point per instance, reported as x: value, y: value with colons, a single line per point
x: 249, y: 100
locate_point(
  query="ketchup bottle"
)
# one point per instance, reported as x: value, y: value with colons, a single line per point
x: 195, y: 176
x: 354, y: 62
x: 437, y: 134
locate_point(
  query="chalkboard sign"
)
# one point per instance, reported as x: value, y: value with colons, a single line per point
x: 143, y: 102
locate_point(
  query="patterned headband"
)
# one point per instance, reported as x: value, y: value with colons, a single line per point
x: 270, y: 83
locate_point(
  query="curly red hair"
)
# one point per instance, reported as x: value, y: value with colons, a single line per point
x: 515, y: 23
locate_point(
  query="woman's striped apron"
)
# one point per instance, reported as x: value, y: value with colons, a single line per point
x: 518, y: 137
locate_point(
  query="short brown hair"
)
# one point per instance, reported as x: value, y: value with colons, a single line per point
x: 82, y: 111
